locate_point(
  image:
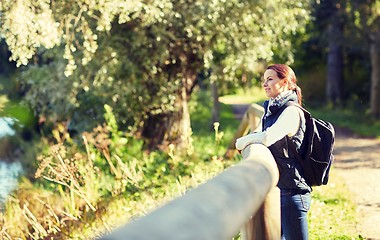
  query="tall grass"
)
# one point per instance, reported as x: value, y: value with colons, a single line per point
x: 86, y: 188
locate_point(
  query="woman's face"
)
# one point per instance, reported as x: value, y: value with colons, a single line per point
x: 272, y: 84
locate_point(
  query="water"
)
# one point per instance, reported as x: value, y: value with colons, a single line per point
x: 5, y: 126
x: 9, y: 173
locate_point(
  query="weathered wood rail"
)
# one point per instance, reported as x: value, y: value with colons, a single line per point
x: 243, y: 197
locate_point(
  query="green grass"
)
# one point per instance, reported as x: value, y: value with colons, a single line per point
x: 357, y: 120
x: 206, y: 139
x: 332, y: 214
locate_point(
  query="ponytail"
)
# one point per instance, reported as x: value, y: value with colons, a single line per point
x: 299, y: 94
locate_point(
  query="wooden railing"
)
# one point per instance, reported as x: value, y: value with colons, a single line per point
x: 243, y: 197
x: 250, y: 120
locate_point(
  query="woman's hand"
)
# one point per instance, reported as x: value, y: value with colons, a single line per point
x: 243, y: 142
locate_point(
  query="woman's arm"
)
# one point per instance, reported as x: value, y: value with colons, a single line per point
x: 287, y: 124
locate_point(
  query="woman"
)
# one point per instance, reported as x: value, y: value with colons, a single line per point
x: 276, y: 129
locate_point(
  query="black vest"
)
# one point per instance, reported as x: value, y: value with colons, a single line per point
x: 291, y: 174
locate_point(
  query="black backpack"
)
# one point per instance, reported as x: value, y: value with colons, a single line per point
x: 318, y: 144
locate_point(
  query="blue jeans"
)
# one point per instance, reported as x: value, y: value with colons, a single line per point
x: 294, y: 208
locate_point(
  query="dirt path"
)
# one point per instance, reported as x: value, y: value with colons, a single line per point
x: 357, y: 161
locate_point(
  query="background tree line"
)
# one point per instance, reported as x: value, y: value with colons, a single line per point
x: 342, y: 46
x: 145, y: 57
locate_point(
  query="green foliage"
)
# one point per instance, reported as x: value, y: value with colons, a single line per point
x: 312, y: 81
x: 360, y: 20
x: 76, y: 189
x: 50, y: 93
x: 137, y: 56
x: 28, y: 25
x: 365, y: 15
x: 19, y: 112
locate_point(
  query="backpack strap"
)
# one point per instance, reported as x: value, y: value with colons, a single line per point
x: 291, y: 103
x: 291, y: 143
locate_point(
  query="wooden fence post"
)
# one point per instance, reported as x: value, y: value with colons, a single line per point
x: 250, y: 120
x: 266, y: 224
x: 241, y: 130
x: 253, y: 121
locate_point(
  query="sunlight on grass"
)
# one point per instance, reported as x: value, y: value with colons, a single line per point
x: 332, y: 214
x: 248, y: 96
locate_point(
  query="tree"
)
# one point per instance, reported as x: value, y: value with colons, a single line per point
x: 141, y: 57
x: 375, y: 74
x: 366, y: 15
x: 334, y: 83
x: 328, y: 27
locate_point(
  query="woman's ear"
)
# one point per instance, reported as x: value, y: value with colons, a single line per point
x: 285, y: 84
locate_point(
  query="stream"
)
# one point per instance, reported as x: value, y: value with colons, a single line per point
x: 9, y: 171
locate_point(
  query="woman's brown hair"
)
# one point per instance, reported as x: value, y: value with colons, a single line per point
x: 285, y: 72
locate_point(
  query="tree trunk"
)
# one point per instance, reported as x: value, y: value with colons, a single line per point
x: 172, y: 127
x: 375, y: 74
x: 179, y: 129
x: 216, y: 104
x: 334, y: 60
x: 184, y: 134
